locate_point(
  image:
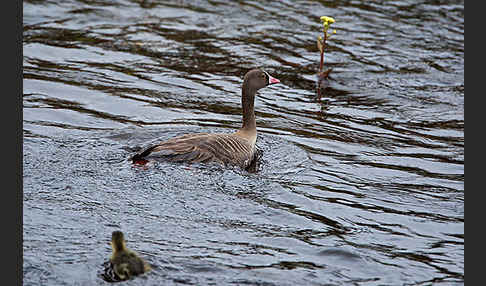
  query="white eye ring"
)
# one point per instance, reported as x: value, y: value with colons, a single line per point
x: 268, y: 76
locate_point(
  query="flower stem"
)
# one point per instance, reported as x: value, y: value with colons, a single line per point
x: 322, y: 53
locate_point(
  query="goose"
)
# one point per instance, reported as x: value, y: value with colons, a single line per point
x: 124, y: 262
x: 237, y: 148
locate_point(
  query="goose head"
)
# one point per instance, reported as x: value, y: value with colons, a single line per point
x: 258, y: 78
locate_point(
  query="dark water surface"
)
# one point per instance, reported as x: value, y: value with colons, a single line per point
x: 362, y: 187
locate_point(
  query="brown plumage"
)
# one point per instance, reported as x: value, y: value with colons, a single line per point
x: 124, y: 262
x: 236, y: 148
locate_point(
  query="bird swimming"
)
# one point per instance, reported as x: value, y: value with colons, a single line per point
x: 124, y: 262
x: 237, y: 148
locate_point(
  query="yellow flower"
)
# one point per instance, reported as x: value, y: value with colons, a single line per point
x: 334, y: 31
x: 327, y: 19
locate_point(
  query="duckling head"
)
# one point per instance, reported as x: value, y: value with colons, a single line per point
x: 117, y: 241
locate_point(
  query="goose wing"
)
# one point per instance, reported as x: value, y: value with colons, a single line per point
x: 202, y: 147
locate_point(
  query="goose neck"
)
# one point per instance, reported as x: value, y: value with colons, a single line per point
x: 248, y: 101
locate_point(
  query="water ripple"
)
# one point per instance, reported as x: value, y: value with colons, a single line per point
x: 362, y: 186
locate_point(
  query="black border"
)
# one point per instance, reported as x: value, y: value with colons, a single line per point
x: 11, y: 116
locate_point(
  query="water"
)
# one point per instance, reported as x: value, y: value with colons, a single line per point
x: 362, y: 187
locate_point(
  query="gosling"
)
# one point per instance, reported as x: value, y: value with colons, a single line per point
x: 125, y: 262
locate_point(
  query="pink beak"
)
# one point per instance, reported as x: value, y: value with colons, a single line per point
x: 272, y: 80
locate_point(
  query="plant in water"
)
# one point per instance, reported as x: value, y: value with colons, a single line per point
x: 322, y: 81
